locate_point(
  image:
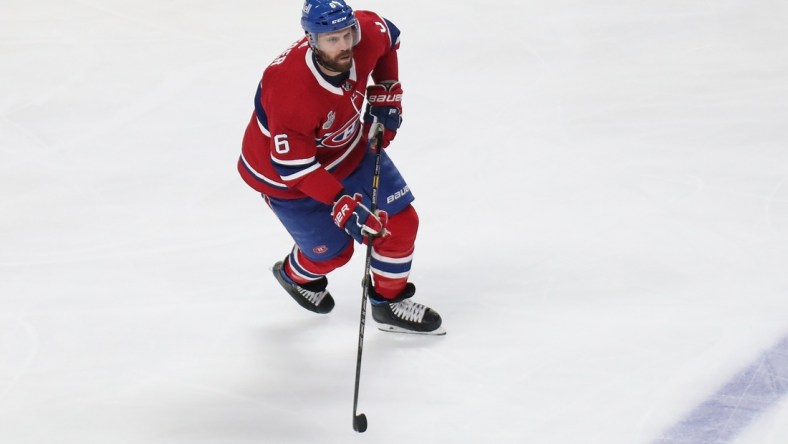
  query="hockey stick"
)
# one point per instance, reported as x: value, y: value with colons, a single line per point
x: 360, y: 419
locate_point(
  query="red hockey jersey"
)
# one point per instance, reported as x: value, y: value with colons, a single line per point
x: 306, y: 134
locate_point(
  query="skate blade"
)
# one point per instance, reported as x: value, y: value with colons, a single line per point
x: 440, y: 331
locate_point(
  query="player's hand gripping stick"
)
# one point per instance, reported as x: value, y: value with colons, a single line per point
x: 357, y: 220
x: 384, y: 108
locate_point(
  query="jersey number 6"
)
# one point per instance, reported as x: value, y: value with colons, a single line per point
x: 280, y: 144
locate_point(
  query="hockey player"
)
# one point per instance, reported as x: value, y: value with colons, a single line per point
x: 306, y: 150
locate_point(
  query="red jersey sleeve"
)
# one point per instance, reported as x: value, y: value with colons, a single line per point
x: 294, y: 151
x: 387, y: 66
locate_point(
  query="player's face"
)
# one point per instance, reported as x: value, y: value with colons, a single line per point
x: 336, y: 48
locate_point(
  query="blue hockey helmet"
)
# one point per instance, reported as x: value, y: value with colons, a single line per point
x: 321, y: 16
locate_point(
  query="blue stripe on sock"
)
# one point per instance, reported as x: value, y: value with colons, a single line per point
x: 389, y: 267
x: 300, y: 270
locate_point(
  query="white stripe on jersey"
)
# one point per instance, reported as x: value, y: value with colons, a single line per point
x: 347, y: 151
x: 295, y: 162
x: 263, y: 129
x: 323, y: 82
x: 259, y: 175
x: 301, y: 173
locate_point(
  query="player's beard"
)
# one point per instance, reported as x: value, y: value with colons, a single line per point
x: 336, y: 64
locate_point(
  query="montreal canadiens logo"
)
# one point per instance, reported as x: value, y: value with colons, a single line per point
x: 320, y: 249
x: 341, y: 137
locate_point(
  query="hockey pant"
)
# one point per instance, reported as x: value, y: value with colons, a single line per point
x: 391, y: 257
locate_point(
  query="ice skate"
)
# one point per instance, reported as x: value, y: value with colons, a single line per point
x: 402, y: 315
x: 312, y: 296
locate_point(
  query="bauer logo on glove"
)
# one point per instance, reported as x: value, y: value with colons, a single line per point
x: 352, y: 216
x: 384, y: 108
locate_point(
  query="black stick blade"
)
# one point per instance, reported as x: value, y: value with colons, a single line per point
x: 360, y: 423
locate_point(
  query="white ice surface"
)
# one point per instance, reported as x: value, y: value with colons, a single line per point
x: 603, y: 190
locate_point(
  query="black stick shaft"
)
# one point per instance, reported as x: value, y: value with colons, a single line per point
x: 367, y: 279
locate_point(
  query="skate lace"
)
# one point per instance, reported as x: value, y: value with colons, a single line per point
x: 312, y: 296
x: 409, y: 310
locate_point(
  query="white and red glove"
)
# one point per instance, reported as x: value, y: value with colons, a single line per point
x: 385, y: 108
x: 352, y: 216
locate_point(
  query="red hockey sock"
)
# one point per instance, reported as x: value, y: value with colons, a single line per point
x: 302, y: 270
x: 392, y: 256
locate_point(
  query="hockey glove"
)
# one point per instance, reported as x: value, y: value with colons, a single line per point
x: 385, y: 108
x: 356, y: 219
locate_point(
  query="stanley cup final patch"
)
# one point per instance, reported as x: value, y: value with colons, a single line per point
x: 329, y: 120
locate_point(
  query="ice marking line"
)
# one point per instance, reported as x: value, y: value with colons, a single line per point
x: 742, y: 399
